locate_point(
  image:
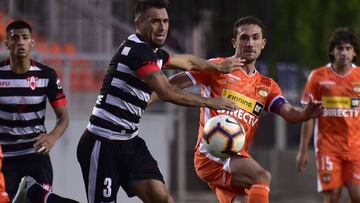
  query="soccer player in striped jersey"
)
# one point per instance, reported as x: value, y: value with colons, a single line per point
x: 240, y: 177
x: 25, y: 85
x: 336, y: 131
x: 111, y: 152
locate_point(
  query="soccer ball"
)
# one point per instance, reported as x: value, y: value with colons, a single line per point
x: 223, y: 136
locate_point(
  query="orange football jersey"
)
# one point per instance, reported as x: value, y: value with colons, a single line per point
x: 253, y: 94
x: 339, y: 124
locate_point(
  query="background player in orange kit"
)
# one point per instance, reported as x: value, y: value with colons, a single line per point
x: 253, y: 93
x: 4, y: 197
x: 337, y: 130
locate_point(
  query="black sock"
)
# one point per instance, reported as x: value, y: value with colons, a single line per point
x: 36, y: 193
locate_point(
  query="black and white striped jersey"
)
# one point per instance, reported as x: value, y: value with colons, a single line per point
x: 124, y: 95
x: 23, y: 104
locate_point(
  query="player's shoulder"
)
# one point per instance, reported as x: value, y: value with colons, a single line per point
x: 38, y: 66
x: 321, y: 69
x: 265, y: 80
x: 4, y: 63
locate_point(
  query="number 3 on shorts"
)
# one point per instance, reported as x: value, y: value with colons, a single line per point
x: 107, y: 190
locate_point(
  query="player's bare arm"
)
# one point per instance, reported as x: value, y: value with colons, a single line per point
x: 191, y: 62
x: 167, y: 92
x: 302, y: 156
x: 179, y: 80
x: 46, y: 141
x: 294, y: 114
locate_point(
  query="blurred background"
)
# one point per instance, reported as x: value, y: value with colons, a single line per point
x: 78, y: 38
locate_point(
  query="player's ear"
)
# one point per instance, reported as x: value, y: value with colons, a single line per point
x: 264, y: 43
x: 6, y: 44
x: 233, y: 42
x: 32, y: 43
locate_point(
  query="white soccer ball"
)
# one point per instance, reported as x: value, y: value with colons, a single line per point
x: 223, y: 136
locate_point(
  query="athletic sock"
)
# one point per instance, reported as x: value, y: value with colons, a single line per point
x: 259, y: 193
x: 36, y: 193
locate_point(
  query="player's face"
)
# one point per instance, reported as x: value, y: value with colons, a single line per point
x: 19, y: 42
x: 249, y: 42
x: 153, y: 26
x: 343, y: 54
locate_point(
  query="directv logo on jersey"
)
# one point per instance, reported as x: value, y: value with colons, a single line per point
x: 341, y: 113
x: 242, y: 115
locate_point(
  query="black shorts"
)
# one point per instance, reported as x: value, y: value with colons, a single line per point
x: 106, y: 165
x: 35, y: 165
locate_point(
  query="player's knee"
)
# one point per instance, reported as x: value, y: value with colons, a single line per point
x: 262, y: 176
x: 166, y: 198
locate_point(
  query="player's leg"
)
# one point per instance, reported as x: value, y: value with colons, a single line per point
x: 152, y: 191
x: 4, y: 197
x: 14, y: 168
x: 98, y: 159
x: 145, y: 180
x: 332, y: 196
x: 330, y: 176
x: 354, y: 192
x: 247, y: 172
x: 352, y: 179
x: 241, y: 199
x: 30, y: 190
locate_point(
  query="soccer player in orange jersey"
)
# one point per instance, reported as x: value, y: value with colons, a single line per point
x: 4, y: 197
x: 241, y: 177
x: 337, y: 130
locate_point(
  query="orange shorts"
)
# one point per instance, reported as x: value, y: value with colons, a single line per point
x: 334, y: 170
x: 216, y: 173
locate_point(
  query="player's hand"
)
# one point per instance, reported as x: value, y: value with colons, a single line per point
x: 221, y: 104
x: 231, y: 64
x: 44, y: 142
x: 302, y: 158
x: 314, y: 108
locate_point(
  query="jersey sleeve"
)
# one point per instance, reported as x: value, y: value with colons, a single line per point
x: 203, y: 77
x: 55, y: 92
x: 275, y: 98
x: 199, y: 77
x: 310, y: 89
x: 144, y: 60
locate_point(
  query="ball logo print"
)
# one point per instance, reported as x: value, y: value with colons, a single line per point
x: 223, y: 136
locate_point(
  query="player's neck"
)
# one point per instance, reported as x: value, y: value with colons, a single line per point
x: 20, y: 65
x: 249, y: 69
x: 341, y: 69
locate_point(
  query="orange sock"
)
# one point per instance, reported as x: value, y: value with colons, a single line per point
x: 259, y: 193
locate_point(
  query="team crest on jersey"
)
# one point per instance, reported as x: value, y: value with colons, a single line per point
x: 326, y: 178
x: 263, y: 91
x: 32, y: 81
x: 356, y: 89
x: 58, y: 84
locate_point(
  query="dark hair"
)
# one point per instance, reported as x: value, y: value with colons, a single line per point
x: 143, y: 5
x: 343, y: 35
x: 18, y: 24
x: 247, y: 20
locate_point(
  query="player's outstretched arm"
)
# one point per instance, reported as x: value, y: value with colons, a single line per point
x: 191, y: 62
x: 179, y: 80
x: 302, y: 156
x: 296, y: 114
x: 167, y: 92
